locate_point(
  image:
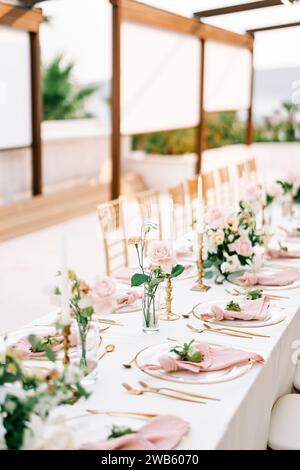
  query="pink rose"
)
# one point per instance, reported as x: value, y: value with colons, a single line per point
x: 103, y: 294
x: 276, y: 190
x: 104, y: 287
x: 242, y: 246
x: 161, y: 254
x: 251, y: 192
x: 214, y: 218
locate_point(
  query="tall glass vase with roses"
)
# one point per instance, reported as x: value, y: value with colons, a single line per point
x: 229, y: 240
x: 160, y: 268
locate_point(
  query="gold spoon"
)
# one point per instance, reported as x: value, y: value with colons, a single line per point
x: 108, y: 348
x: 128, y: 365
x: 136, y: 391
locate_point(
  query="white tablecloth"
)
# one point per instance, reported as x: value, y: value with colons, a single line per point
x: 241, y: 419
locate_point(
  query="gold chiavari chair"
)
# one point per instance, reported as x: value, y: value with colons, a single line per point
x: 177, y: 194
x: 149, y: 205
x: 111, y: 218
x: 251, y: 170
x: 225, y: 188
x: 209, y: 189
x: 242, y: 180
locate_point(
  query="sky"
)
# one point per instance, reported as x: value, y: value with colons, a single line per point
x: 83, y: 34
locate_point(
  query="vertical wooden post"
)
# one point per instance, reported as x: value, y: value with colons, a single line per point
x: 201, y: 127
x: 36, y: 106
x: 249, y: 128
x: 116, y: 102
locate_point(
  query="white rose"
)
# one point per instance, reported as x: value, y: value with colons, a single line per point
x: 51, y: 434
x: 226, y: 267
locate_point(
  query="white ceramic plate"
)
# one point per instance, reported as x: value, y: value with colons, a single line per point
x: 275, y: 315
x: 13, y: 337
x: 233, y: 278
x: 151, y: 354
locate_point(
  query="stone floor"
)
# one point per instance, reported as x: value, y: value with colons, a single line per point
x: 29, y: 263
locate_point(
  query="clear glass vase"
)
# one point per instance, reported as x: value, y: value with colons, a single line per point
x: 87, y: 351
x: 151, y: 309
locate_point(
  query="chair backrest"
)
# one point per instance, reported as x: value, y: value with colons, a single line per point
x: 209, y: 189
x: 111, y: 218
x: 251, y: 165
x: 149, y: 205
x: 177, y: 194
x: 225, y: 190
x: 251, y: 170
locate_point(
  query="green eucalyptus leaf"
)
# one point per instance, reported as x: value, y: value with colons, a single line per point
x: 177, y: 270
x: 208, y: 275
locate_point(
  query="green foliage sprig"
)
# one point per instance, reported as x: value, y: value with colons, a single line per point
x: 187, y: 353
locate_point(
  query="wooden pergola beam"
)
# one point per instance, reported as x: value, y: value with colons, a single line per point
x: 20, y: 18
x: 271, y: 28
x: 145, y: 14
x: 237, y: 8
x: 141, y: 13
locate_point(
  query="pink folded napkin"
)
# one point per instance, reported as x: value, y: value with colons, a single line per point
x: 291, y: 233
x: 214, y: 359
x: 251, y: 310
x: 161, y: 433
x: 124, y: 274
x: 24, y: 347
x: 129, y: 298
x: 281, y: 278
x: 277, y: 253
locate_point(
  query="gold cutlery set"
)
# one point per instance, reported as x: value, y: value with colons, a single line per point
x: 226, y: 331
x: 168, y: 393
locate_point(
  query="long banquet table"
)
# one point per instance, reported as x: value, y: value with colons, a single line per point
x: 241, y: 419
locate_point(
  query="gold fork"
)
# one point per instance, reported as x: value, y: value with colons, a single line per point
x: 215, y: 330
x: 137, y: 391
x: 168, y: 389
x: 236, y: 293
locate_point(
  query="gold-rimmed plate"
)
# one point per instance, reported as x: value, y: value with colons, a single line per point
x: 275, y: 315
x: 233, y: 278
x: 92, y: 427
x: 150, y: 355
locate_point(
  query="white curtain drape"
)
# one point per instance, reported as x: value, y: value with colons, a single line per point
x: 15, y: 88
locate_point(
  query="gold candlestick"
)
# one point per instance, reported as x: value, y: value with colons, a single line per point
x: 66, y: 334
x: 200, y: 287
x: 264, y: 221
x: 170, y: 316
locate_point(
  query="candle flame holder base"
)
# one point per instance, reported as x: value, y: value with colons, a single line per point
x: 170, y: 317
x: 200, y: 288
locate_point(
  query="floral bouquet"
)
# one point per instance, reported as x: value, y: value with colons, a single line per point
x: 230, y: 240
x: 162, y: 266
x: 85, y: 300
x: 25, y: 408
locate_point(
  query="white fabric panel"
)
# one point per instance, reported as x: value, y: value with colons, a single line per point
x: 227, y: 77
x: 160, y: 79
x: 15, y: 88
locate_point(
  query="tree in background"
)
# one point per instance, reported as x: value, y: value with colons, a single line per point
x: 291, y: 109
x: 62, y: 98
